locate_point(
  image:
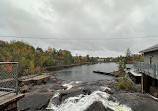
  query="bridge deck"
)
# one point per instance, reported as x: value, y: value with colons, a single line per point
x: 6, y: 95
x: 134, y: 72
x: 9, y: 101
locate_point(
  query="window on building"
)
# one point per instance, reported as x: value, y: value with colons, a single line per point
x: 151, y: 61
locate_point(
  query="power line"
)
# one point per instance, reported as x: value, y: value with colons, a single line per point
x: 7, y: 36
x: 112, y: 38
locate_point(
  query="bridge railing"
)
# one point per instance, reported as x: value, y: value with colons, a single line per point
x: 148, y: 69
x: 8, y: 78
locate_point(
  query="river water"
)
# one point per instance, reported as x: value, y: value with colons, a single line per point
x: 77, y: 74
x: 85, y: 72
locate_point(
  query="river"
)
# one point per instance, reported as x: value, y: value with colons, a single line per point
x: 85, y: 72
x: 80, y: 77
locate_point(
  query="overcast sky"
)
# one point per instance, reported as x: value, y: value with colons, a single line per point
x: 91, y: 27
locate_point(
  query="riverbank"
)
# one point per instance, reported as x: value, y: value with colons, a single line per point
x: 53, y: 68
x: 58, y: 95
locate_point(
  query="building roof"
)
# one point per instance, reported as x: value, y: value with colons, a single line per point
x: 150, y: 49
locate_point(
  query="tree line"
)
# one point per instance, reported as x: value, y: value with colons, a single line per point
x: 129, y: 58
x: 31, y: 59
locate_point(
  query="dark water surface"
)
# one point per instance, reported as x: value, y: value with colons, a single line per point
x: 85, y: 72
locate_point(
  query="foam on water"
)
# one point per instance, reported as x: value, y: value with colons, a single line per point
x: 71, y: 84
x: 82, y: 102
x: 102, y: 88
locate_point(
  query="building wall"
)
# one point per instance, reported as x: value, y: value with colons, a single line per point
x: 100, y: 60
x: 154, y: 58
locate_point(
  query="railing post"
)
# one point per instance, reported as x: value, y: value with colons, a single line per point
x: 134, y: 64
x: 143, y: 67
x: 17, y: 88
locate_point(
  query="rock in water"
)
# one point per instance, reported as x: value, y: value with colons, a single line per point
x: 34, y: 101
x: 69, y: 93
x: 57, y: 87
x: 109, y: 91
x: 97, y: 106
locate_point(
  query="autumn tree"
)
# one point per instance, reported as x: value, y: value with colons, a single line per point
x: 30, y: 58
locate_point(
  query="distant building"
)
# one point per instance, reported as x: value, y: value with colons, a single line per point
x: 84, y: 58
x: 101, y: 60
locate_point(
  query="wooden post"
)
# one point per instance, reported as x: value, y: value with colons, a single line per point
x: 142, y: 89
x: 145, y: 82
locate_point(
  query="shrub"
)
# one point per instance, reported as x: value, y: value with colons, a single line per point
x: 26, y: 72
x: 121, y: 66
x: 37, y: 70
x: 31, y: 67
x: 7, y: 68
x: 125, y: 83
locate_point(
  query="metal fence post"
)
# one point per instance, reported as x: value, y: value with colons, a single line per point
x: 17, y: 78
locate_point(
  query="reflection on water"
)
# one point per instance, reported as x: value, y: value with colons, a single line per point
x: 85, y: 72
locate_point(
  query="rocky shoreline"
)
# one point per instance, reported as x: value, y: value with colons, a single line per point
x: 42, y: 97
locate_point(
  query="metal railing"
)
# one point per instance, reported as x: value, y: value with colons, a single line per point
x: 148, y: 69
x: 8, y: 78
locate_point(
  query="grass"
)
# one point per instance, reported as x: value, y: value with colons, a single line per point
x: 125, y: 83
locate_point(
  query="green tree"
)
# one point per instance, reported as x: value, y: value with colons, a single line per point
x: 88, y: 59
x: 128, y: 58
x: 31, y: 67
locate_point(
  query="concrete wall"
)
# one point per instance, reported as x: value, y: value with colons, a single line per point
x: 154, y: 59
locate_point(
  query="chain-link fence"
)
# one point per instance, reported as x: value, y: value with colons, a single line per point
x: 8, y: 78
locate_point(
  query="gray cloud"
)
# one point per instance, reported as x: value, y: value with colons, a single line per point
x: 77, y: 21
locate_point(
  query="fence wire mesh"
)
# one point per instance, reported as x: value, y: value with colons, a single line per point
x: 8, y: 78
